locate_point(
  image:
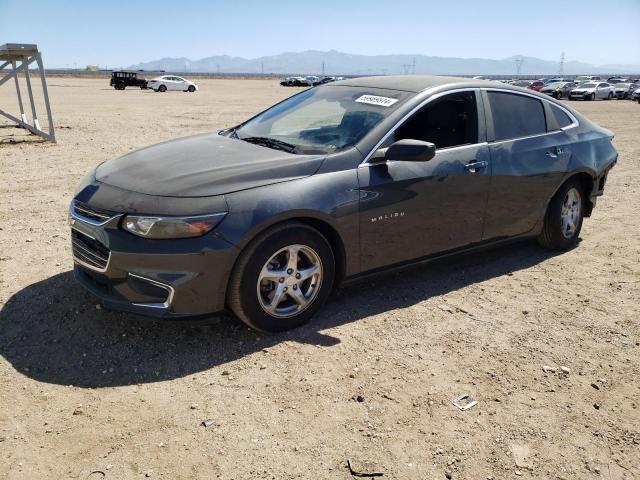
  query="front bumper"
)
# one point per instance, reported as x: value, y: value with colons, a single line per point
x: 576, y: 96
x: 159, y: 278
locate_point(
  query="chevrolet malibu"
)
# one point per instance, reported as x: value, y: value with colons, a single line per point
x: 333, y: 184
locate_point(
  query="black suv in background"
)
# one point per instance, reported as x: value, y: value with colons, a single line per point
x: 123, y: 79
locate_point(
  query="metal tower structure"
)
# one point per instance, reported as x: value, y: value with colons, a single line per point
x: 10, y: 55
x: 519, y: 62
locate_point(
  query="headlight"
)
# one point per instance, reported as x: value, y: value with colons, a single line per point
x: 171, y: 227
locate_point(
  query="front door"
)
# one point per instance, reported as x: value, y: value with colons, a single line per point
x: 410, y: 210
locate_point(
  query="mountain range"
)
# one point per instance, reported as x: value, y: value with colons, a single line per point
x: 339, y: 63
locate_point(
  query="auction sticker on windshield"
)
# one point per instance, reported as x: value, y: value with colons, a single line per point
x: 375, y: 100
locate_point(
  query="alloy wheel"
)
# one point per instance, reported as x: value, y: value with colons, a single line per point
x: 289, y: 281
x: 570, y: 213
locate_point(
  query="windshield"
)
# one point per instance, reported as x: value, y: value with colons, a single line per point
x: 588, y: 85
x: 321, y: 120
x: 623, y: 85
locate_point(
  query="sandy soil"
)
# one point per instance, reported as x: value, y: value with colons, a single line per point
x: 86, y: 393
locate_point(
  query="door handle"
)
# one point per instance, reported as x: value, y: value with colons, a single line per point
x: 473, y: 167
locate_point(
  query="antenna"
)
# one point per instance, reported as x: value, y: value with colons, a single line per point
x: 519, y: 62
x: 561, y: 66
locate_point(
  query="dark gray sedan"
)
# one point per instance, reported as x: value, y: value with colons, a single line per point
x: 330, y: 185
x: 558, y: 90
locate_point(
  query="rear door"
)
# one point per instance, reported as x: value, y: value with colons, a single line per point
x: 529, y: 156
x: 410, y: 210
x: 603, y: 90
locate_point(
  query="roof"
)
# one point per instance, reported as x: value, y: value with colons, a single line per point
x: 12, y: 50
x: 411, y: 83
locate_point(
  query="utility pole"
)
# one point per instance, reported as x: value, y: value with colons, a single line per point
x: 323, y: 67
x: 262, y: 67
x: 413, y: 66
x: 218, y: 68
x: 561, y: 66
x: 519, y: 62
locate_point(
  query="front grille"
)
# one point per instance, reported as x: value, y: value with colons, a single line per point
x: 89, y: 252
x: 91, y: 213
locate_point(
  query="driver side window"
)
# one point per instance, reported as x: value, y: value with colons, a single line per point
x: 449, y: 121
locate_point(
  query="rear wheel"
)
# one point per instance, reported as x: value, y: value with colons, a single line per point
x: 563, y: 219
x: 162, y: 88
x: 191, y: 89
x: 282, y: 278
x: 610, y: 96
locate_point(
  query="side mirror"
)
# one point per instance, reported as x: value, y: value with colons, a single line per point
x: 410, y: 151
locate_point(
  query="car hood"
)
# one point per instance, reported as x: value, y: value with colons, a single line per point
x: 582, y: 90
x: 204, y: 165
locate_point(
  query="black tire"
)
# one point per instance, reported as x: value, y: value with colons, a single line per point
x: 610, y: 96
x: 120, y: 86
x: 191, y: 89
x: 559, y: 96
x: 162, y: 88
x: 592, y: 97
x: 243, y: 288
x: 552, y: 235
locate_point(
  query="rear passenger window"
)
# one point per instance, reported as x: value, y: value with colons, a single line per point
x: 516, y: 115
x: 562, y: 119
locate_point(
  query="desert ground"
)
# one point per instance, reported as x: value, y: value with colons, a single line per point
x: 87, y: 393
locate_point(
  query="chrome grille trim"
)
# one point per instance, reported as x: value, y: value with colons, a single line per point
x: 84, y: 213
x: 84, y: 255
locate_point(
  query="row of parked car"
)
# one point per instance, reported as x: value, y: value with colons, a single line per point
x: 308, y: 81
x: 584, y: 87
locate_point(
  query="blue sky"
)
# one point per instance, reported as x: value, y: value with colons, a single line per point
x: 119, y: 33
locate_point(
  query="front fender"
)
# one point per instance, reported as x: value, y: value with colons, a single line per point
x: 331, y: 198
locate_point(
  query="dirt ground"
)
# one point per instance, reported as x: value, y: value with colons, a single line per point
x: 90, y: 394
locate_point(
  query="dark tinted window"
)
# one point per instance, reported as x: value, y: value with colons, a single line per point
x: 562, y: 119
x: 516, y: 115
x: 446, y: 122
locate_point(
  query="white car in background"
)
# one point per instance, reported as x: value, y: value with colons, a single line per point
x: 593, y: 90
x: 171, y: 82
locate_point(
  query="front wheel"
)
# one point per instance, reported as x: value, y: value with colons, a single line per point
x: 559, y: 96
x: 592, y: 96
x: 610, y: 96
x: 282, y: 278
x: 191, y: 89
x: 563, y: 219
x: 162, y: 88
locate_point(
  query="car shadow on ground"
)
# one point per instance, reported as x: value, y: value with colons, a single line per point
x: 52, y: 331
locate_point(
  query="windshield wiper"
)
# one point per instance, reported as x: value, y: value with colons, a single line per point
x: 271, y: 143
